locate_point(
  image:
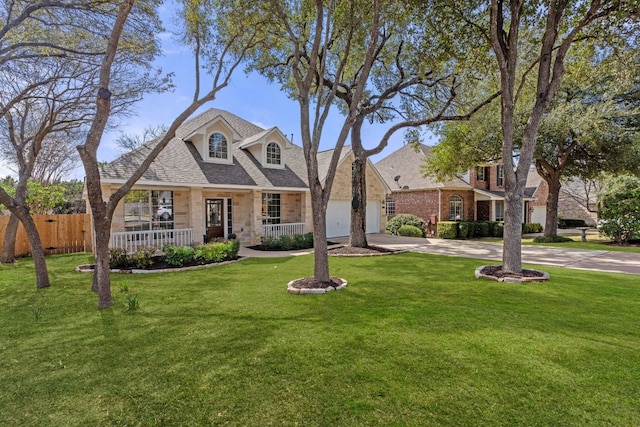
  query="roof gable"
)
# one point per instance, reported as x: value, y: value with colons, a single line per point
x: 401, y: 170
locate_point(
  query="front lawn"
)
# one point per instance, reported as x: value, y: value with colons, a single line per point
x: 414, y: 340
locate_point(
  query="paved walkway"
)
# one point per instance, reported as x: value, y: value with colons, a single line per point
x: 615, y: 262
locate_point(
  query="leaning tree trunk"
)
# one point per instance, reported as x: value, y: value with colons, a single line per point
x: 37, y: 251
x: 358, y: 232
x: 9, y: 241
x: 551, y: 221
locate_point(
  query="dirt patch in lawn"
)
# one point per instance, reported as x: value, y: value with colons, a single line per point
x: 347, y: 251
x: 494, y: 272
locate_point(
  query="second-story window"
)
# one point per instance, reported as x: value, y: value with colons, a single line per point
x: 480, y: 173
x: 218, y: 147
x: 500, y: 176
x: 273, y: 154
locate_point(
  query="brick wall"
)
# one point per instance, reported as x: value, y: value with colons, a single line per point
x: 422, y: 204
x: 468, y: 208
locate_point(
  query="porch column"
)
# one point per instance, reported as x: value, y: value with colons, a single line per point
x: 256, y: 217
x: 493, y: 210
x: 196, y: 214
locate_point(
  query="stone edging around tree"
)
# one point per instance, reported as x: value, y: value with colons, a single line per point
x: 292, y: 289
x: 544, y: 277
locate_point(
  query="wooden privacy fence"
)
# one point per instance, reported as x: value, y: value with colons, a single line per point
x: 60, y: 234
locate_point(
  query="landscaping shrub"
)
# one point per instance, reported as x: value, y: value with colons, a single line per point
x: 552, y: 239
x: 217, y: 252
x: 619, y: 208
x: 118, y: 258
x: 410, y: 231
x: 447, y: 229
x: 179, y: 255
x: 405, y: 219
x: 482, y: 229
x: 463, y: 230
x: 142, y: 258
x: 571, y: 223
x: 531, y: 227
x: 286, y: 243
x: 496, y: 229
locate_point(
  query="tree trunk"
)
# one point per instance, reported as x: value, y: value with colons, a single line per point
x: 358, y: 232
x: 9, y: 241
x: 551, y: 221
x: 37, y: 251
x: 511, y: 248
x: 101, y: 280
x: 320, y: 254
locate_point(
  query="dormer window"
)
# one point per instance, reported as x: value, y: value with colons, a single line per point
x: 218, y: 147
x: 273, y: 154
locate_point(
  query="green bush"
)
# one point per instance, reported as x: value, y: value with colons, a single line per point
x: 287, y: 243
x: 482, y: 229
x: 496, y: 229
x: 619, y: 208
x: 118, y: 258
x: 552, y: 239
x: 217, y: 252
x: 405, y: 219
x: 179, y: 255
x: 571, y: 223
x: 531, y: 227
x: 142, y: 258
x: 447, y: 229
x: 410, y: 231
x: 463, y: 230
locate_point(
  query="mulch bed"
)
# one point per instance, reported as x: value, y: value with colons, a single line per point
x: 369, y: 250
x: 630, y: 243
x: 311, y: 283
x: 496, y: 271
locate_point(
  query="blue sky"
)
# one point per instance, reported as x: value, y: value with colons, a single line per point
x: 251, y: 97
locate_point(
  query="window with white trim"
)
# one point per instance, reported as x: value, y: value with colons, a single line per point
x: 500, y: 210
x: 455, y: 208
x: 148, y: 210
x: 274, y: 156
x: 270, y: 208
x: 390, y: 206
x: 500, y: 182
x: 218, y: 146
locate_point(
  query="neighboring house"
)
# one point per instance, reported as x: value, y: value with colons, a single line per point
x: 223, y: 176
x: 577, y: 200
x: 476, y: 196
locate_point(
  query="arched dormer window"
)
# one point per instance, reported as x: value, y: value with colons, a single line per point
x: 455, y: 208
x: 218, y: 146
x: 274, y: 156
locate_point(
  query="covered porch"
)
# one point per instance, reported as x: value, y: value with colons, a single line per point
x: 155, y: 217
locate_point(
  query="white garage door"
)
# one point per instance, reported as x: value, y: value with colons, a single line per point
x: 539, y: 215
x: 339, y: 217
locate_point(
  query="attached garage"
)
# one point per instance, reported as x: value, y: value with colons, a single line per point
x: 339, y: 217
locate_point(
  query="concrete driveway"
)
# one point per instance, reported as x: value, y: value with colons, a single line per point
x: 615, y: 262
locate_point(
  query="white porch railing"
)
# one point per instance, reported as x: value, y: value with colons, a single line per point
x: 132, y: 240
x: 277, y: 230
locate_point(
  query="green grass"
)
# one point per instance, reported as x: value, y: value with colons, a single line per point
x: 414, y: 340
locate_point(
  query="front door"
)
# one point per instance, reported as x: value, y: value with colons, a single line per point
x: 215, y: 225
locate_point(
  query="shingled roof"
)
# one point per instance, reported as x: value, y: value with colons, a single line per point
x: 405, y: 163
x: 181, y: 163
